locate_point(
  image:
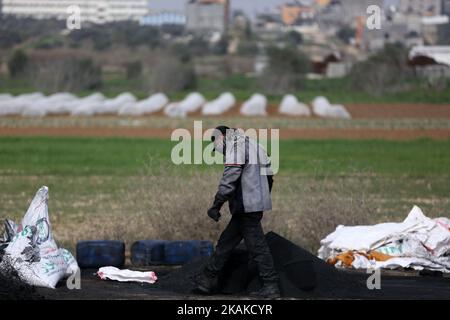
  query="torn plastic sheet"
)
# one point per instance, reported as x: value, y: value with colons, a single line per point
x: 125, y: 275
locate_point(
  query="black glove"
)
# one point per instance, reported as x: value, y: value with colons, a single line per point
x: 214, y: 214
x: 214, y: 211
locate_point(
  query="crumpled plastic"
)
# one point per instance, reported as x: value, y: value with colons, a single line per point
x: 125, y: 275
x: 418, y: 243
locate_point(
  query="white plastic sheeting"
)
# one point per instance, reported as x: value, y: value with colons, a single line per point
x: 255, y: 106
x: 292, y: 107
x: 54, y: 104
x: 33, y: 253
x: 111, y: 106
x: 152, y: 104
x: 418, y: 242
x: 192, y: 103
x: 5, y: 96
x: 174, y: 111
x: 87, y: 105
x: 323, y: 108
x: 222, y: 104
x: 15, y: 105
x: 113, y: 273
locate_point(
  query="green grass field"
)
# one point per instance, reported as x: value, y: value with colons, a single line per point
x: 126, y: 156
x: 129, y: 189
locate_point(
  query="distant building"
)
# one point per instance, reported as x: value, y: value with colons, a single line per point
x: 206, y: 16
x: 420, y: 7
x: 91, y: 11
x: 163, y: 18
x: 293, y: 13
x: 446, y: 7
x: 346, y: 12
x: 431, y: 61
x: 322, y: 3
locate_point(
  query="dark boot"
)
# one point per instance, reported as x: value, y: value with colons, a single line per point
x: 206, y: 283
x: 269, y: 290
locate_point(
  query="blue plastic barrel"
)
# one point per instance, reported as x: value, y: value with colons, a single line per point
x: 204, y: 248
x: 179, y: 252
x: 148, y: 252
x: 100, y: 253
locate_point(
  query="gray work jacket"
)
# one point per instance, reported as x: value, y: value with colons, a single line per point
x: 244, y: 183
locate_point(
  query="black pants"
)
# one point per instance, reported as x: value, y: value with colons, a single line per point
x: 245, y: 226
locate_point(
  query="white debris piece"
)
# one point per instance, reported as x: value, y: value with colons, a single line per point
x: 113, y: 273
x: 418, y: 242
x: 292, y: 107
x: 323, y: 108
x: 222, y: 104
x: 193, y: 102
x: 33, y: 252
x: 255, y: 106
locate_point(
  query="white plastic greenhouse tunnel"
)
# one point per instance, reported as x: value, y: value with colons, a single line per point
x: 87, y: 105
x: 111, y: 106
x: 255, y: 106
x: 222, y: 104
x: 10, y: 105
x: 173, y: 110
x: 292, y: 107
x: 323, y: 108
x: 152, y: 104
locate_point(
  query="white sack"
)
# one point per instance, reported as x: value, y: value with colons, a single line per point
x: 417, y: 242
x: 33, y: 253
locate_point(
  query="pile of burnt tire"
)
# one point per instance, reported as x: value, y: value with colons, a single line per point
x: 302, y: 274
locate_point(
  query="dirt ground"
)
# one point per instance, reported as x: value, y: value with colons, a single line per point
x: 310, y: 128
x: 394, y: 285
x: 319, y: 133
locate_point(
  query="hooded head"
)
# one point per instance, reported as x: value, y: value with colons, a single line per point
x: 218, y: 138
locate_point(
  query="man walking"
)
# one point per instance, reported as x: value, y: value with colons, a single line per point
x: 246, y: 185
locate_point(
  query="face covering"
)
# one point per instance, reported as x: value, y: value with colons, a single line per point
x: 219, y: 146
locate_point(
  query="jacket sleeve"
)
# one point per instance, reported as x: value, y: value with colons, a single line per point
x: 228, y: 184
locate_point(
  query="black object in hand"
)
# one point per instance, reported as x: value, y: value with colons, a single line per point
x: 214, y: 214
